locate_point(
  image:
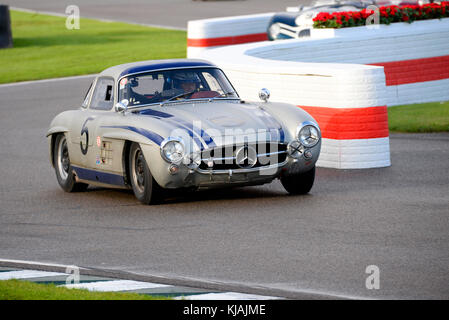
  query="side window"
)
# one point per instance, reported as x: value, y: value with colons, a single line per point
x: 87, y: 96
x: 212, y: 82
x: 103, y: 97
x: 142, y: 88
x: 147, y: 85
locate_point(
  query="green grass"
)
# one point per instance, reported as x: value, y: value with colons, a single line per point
x: 25, y: 290
x: 425, y: 117
x: 44, y: 48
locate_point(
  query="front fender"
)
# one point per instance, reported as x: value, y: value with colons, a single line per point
x: 289, y: 116
x: 159, y: 168
x: 61, y: 122
x: 57, y: 125
x: 56, y: 129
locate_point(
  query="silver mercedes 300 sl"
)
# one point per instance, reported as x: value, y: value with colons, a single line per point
x: 169, y: 124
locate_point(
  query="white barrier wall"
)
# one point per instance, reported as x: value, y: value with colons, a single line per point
x: 352, y: 113
x: 415, y: 56
x: 208, y: 33
x: 333, y: 76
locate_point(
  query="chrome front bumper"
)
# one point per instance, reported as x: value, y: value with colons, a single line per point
x: 186, y: 177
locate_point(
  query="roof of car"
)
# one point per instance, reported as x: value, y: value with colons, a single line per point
x: 150, y: 65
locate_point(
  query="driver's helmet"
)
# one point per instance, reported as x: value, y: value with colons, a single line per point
x: 181, y: 78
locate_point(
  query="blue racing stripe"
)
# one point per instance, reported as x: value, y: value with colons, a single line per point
x: 103, y: 177
x: 273, y: 125
x: 190, y: 132
x: 193, y: 132
x: 155, y: 113
x: 206, y: 138
x: 146, y: 133
x: 167, y: 64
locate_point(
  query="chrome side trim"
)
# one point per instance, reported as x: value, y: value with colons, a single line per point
x: 271, y: 154
x: 218, y: 159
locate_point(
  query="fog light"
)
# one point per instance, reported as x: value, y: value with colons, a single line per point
x: 308, y: 154
x: 295, y: 149
x: 193, y: 160
x: 173, y: 169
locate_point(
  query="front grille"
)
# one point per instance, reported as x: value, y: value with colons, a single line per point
x: 225, y: 158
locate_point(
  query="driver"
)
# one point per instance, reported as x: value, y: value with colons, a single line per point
x: 188, y: 82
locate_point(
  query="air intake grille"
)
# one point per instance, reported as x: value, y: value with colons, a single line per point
x: 230, y: 157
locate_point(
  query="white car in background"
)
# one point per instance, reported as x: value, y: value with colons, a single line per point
x: 297, y: 22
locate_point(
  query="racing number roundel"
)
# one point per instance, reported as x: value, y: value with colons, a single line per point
x: 85, y: 131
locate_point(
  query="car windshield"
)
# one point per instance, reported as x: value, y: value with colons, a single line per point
x: 172, y: 85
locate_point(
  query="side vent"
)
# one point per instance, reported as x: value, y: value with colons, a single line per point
x: 106, y: 153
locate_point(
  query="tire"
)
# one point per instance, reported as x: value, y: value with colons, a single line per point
x: 144, y: 186
x: 63, y: 169
x: 300, y: 183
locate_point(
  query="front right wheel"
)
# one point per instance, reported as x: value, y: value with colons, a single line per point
x: 300, y: 183
x: 144, y: 186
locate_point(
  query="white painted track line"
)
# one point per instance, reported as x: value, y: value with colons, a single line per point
x: 110, y: 285
x: 28, y: 274
x: 115, y: 285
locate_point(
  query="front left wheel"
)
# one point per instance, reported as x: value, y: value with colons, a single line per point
x: 300, y: 183
x: 63, y: 169
x: 144, y: 186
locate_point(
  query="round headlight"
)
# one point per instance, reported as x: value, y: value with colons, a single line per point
x: 309, y: 136
x: 172, y: 151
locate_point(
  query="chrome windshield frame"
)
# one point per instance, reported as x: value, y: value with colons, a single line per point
x: 170, y: 69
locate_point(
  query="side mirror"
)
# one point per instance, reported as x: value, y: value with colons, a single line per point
x: 264, y: 94
x: 121, y: 106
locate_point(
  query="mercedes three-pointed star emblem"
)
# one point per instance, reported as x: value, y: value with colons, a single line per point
x: 246, y: 156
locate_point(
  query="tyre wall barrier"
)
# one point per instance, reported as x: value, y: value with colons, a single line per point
x: 352, y: 114
x: 415, y: 56
x: 345, y: 79
x: 210, y: 33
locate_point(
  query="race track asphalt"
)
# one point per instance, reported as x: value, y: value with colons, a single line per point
x: 258, y: 237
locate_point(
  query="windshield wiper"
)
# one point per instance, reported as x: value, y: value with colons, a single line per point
x: 178, y: 96
x: 223, y: 95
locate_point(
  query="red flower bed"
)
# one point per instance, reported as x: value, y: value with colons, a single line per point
x: 387, y: 15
